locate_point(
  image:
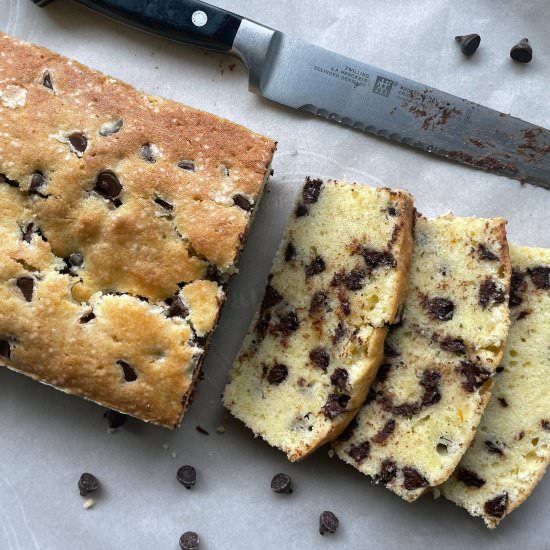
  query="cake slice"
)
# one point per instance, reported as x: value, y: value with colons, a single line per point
x: 122, y: 217
x: 511, y: 449
x: 316, y: 341
x: 434, y: 383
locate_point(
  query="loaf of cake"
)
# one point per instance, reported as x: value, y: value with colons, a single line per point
x: 121, y: 220
x: 511, y: 449
x: 313, y: 348
x: 434, y: 383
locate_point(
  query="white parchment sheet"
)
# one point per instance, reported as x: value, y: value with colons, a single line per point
x: 48, y: 439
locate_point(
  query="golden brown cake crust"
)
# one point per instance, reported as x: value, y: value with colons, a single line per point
x: 113, y: 202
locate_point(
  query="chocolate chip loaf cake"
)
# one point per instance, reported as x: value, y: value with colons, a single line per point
x: 511, y: 449
x: 433, y: 385
x: 314, y: 345
x: 121, y: 218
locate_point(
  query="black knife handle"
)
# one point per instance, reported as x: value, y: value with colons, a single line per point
x: 188, y: 21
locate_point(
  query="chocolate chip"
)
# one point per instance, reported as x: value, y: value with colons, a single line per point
x: 47, y: 80
x: 189, y: 541
x: 320, y: 358
x: 493, y: 448
x: 5, y: 349
x: 383, y: 371
x: 115, y: 419
x: 129, y: 373
x: 545, y: 425
x: 385, y: 432
x: 348, y: 432
x: 26, y: 286
x: 316, y: 266
x: 328, y: 523
x: 36, y: 182
x: 281, y: 484
x: 176, y: 307
x: 523, y: 314
x: 388, y: 472
x: 339, y: 333
x: 490, y: 294
x: 88, y: 483
x: 354, y: 279
x: 406, y: 409
x: 391, y: 211
x: 29, y: 230
x: 499, y: 369
x: 288, y: 324
x: 517, y: 287
x: 375, y: 258
x: 468, y: 43
x: 148, y: 153
x: 301, y: 211
x: 8, y: 181
x: 413, y: 479
x: 201, y: 430
x: 438, y: 309
x: 474, y: 374
x: 87, y: 317
x: 164, y: 204
x: 454, y: 345
x: 540, y: 277
x: 78, y: 141
x: 290, y: 252
x: 271, y: 298
x: 389, y: 351
x: 522, y: 52
x: 187, y: 476
x: 485, y: 254
x: 360, y: 452
x: 344, y: 303
x: 430, y: 382
x: 311, y: 191
x: 335, y: 405
x: 339, y: 378
x: 107, y: 185
x: 496, y: 507
x: 318, y: 302
x: 503, y: 402
x: 469, y: 478
x: 213, y: 273
x: 242, y: 202
x: 277, y: 374
x: 75, y: 259
x: 111, y: 127
x: 187, y: 165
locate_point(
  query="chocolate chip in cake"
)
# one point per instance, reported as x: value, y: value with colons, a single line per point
x: 339, y: 333
x: 87, y: 317
x: 26, y: 286
x: 242, y: 202
x: 490, y: 294
x: 328, y: 523
x: 8, y: 181
x: 164, y: 204
x: 385, y: 432
x: 354, y: 280
x: 5, y: 349
x: 316, y: 266
x: 78, y: 141
x: 290, y: 252
x: 301, y: 211
x: 107, y: 184
x: 129, y: 373
x: 320, y: 358
x: 344, y: 302
x: 413, y: 479
x: 503, y: 402
x: 406, y: 409
x: 390, y: 351
x: 496, y: 507
x: 111, y: 127
x: 288, y: 324
x: 375, y: 258
x: 335, y: 405
x: 88, y: 483
x: 430, y: 382
x: 540, y: 277
x: 311, y: 191
x: 545, y: 425
x: 189, y: 541
x: 148, y: 153
x: 499, y: 369
x: 187, y: 165
x: 29, y: 230
x: 187, y: 476
x: 271, y: 298
x: 277, y: 374
x: 438, y: 309
x: 469, y: 478
x: 115, y: 419
x: 517, y: 287
x: 391, y: 211
x: 75, y: 259
x: 36, y: 182
x: 318, y: 302
x: 47, y: 80
x: 383, y: 371
x: 454, y: 345
x: 474, y: 374
x: 339, y: 378
x: 281, y: 484
x: 485, y: 254
x: 176, y: 307
x: 348, y: 432
x: 388, y: 472
x: 494, y: 448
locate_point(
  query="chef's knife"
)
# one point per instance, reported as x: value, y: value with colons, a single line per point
x: 309, y: 78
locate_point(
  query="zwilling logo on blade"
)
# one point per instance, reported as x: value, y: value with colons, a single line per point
x: 382, y: 86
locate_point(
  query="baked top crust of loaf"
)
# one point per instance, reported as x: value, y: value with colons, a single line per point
x: 122, y: 216
x: 434, y: 383
x: 316, y: 341
x: 511, y: 449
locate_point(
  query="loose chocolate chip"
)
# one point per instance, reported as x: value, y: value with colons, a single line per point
x: 490, y: 294
x: 164, y: 204
x: 311, y: 191
x: 454, y: 345
x: 545, y: 425
x: 320, y: 358
x: 360, y: 452
x: 540, y: 277
x: 176, y: 307
x: 242, y: 202
x: 335, y: 405
x: 469, y: 43
x: 348, y: 432
x: 36, y: 182
x: 281, y: 484
x: 129, y: 373
x: 7, y: 181
x: 375, y: 259
x: 288, y: 324
x: 328, y: 523
x: 388, y: 472
x: 413, y: 479
x: 503, y: 402
x: 318, y: 302
x: 5, y: 349
x: 474, y: 374
x: 148, y: 153
x: 187, y: 476
x: 339, y: 333
x: 406, y: 409
x: 201, y: 430
x: 316, y: 266
x: 430, y: 382
x: 47, y: 80
x: 78, y: 141
x: 485, y: 254
x: 111, y: 127
x: 290, y: 252
x: 271, y: 298
x: 339, y: 378
x: 522, y: 52
x: 383, y: 371
x: 496, y: 507
x: 439, y: 309
x: 87, y: 483
x: 469, y: 478
x: 189, y: 541
x: 517, y: 287
x: 385, y: 432
x: 493, y: 448
x: 26, y: 286
x: 277, y: 374
x: 187, y: 165
x: 87, y: 317
x: 107, y: 184
x: 115, y: 419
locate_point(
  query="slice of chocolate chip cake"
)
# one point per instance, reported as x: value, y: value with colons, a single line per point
x: 433, y: 385
x: 511, y: 449
x: 314, y: 345
x: 121, y: 219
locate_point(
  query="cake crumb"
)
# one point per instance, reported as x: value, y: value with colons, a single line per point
x: 174, y: 455
x: 331, y: 453
x: 220, y: 429
x: 165, y: 446
x: 436, y: 493
x: 88, y: 503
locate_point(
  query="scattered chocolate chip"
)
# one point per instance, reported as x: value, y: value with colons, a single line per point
x: 148, y: 153
x: 187, y: 165
x: 430, y: 382
x: 493, y: 448
x: 189, y: 541
x: 316, y: 266
x: 47, y: 81
x: 517, y: 287
x: 503, y: 402
x: 36, y: 182
x: 290, y: 252
x: 454, y: 345
x: 187, y: 476
x: 385, y: 432
x: 176, y: 307
x: 107, y: 185
x: 318, y: 302
x: 111, y: 127
x: 87, y: 317
x: 348, y: 432
x: 469, y: 43
x: 540, y: 277
x: 413, y: 479
x: 469, y: 478
x: 115, y: 419
x: 438, y: 309
x: 339, y: 333
x: 5, y: 349
x: 129, y: 373
x: 490, y: 294
x: 388, y: 472
x: 87, y: 483
x: 242, y: 202
x: 375, y: 259
x: 78, y: 141
x: 328, y: 523
x: 271, y: 298
x: 372, y: 395
x: 164, y: 204
x: 201, y: 430
x: 277, y: 374
x: 522, y: 52
x: 383, y: 371
x: 474, y: 374
x: 339, y: 378
x: 288, y: 324
x: 496, y: 507
x: 26, y: 286
x: 281, y: 484
x: 360, y: 452
x: 320, y: 358
x: 545, y: 425
x: 335, y: 405
x: 485, y: 254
